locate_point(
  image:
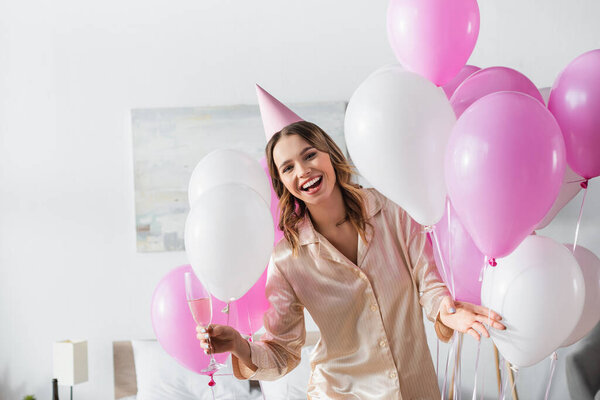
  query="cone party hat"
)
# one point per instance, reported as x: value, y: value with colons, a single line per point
x: 275, y: 115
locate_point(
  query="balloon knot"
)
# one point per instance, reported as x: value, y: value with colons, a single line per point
x: 493, y: 262
x: 212, y: 381
x: 584, y: 184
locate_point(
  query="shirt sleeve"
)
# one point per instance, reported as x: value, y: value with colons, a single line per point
x: 432, y: 289
x: 278, y: 351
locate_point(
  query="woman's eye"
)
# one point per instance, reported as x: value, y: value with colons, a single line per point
x: 287, y: 169
x: 311, y: 155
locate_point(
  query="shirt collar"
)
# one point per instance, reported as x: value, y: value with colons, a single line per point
x: 307, y: 233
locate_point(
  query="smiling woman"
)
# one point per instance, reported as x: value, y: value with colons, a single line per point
x: 313, y: 174
x: 362, y: 268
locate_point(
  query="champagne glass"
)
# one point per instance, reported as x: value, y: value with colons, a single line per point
x: 200, y: 303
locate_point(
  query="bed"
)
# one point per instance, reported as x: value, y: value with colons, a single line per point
x: 157, y: 376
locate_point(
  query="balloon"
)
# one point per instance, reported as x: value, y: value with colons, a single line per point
x: 539, y: 292
x: 174, y: 325
x: 228, y: 239
x: 461, y: 255
x: 589, y: 264
x: 274, y: 202
x: 227, y: 166
x: 433, y: 38
x: 491, y: 80
x: 396, y: 127
x: 505, y: 164
x: 569, y: 189
x: 545, y: 92
x: 247, y: 312
x: 463, y: 74
x: 575, y: 101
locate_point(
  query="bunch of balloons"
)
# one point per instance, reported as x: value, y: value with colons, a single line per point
x: 231, y: 203
x: 477, y: 155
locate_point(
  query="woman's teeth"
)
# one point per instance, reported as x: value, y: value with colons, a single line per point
x: 308, y: 184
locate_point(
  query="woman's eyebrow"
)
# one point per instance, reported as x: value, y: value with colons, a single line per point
x: 302, y: 152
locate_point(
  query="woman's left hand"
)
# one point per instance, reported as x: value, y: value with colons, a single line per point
x: 469, y: 318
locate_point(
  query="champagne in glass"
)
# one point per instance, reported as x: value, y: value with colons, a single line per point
x: 201, y: 311
x: 200, y: 303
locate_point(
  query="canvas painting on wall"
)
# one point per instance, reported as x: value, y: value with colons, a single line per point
x: 169, y: 142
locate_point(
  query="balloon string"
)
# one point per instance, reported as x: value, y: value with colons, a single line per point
x: 476, y: 370
x: 457, y: 381
x: 578, y: 180
x: 504, y: 377
x: 261, y: 390
x: 579, y: 220
x: 437, y: 245
x: 449, y: 355
x: 484, y: 269
x: 250, y: 324
x: 514, y: 378
x: 433, y: 241
x: 482, y: 382
x: 553, y: 358
x: 437, y: 358
x: 450, y: 248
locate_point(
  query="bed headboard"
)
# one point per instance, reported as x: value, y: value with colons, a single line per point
x: 124, y: 365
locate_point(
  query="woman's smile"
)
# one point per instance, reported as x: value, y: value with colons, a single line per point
x: 312, y: 185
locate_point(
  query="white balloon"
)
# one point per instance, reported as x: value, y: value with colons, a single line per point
x: 569, y: 189
x: 228, y: 239
x: 539, y: 292
x: 228, y: 166
x: 397, y: 127
x: 590, y: 268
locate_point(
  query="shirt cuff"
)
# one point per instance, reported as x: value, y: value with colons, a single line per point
x: 443, y: 332
x: 241, y: 370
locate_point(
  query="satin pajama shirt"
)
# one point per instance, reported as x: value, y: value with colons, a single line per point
x: 373, y: 343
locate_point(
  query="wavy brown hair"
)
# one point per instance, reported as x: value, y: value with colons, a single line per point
x: 293, y: 209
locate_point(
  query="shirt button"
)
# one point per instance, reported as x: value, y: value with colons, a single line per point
x: 382, y: 343
x: 392, y: 375
x: 373, y: 307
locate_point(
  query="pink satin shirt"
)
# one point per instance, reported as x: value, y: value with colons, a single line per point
x: 373, y: 343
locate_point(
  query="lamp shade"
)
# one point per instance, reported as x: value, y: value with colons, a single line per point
x: 70, y: 362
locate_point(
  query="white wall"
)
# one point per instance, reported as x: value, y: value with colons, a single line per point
x: 70, y: 71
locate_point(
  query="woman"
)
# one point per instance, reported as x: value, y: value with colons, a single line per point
x: 360, y: 265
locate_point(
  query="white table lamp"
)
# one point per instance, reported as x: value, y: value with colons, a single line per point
x: 70, y: 362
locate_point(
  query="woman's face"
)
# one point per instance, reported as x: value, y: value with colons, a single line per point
x: 306, y: 172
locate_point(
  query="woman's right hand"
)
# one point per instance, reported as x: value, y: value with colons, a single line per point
x: 223, y: 338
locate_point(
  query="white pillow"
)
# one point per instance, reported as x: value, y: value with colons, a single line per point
x: 293, y: 385
x: 160, y: 377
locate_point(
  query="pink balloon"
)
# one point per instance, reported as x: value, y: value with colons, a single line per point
x: 433, y: 38
x: 463, y: 74
x: 505, y: 163
x: 575, y: 103
x: 274, y: 202
x: 491, y: 80
x: 462, y: 259
x: 174, y: 325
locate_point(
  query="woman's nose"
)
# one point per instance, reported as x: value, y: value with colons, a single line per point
x: 304, y: 171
